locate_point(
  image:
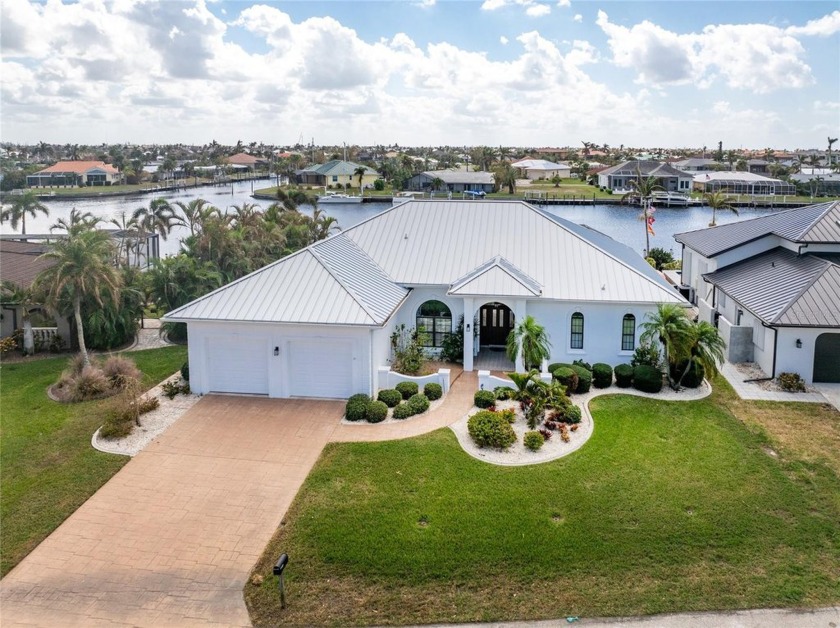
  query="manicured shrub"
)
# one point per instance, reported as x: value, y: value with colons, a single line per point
x: 185, y: 371
x: 791, y: 382
x: 647, y: 378
x: 418, y: 403
x: 602, y: 375
x: 573, y: 415
x: 484, y: 398
x: 503, y: 392
x: 509, y: 414
x: 585, y: 365
x: 377, y: 411
x: 556, y: 365
x: 584, y: 379
x: 359, y: 397
x: 433, y: 391
x: 533, y: 440
x: 390, y: 397
x: 356, y: 410
x: 407, y: 389
x: 403, y: 411
x: 119, y: 370
x: 624, y: 376
x: 693, y: 378
x: 566, y: 376
x: 491, y: 429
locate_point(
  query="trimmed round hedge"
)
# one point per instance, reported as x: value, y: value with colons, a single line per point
x: 359, y: 397
x: 407, y: 389
x: 624, y: 376
x: 418, y: 403
x: 390, y: 397
x: 647, y: 379
x: 377, y: 411
x: 491, y: 429
x: 433, y: 391
x: 567, y: 376
x: 584, y: 378
x: 533, y: 440
x: 602, y: 375
x: 356, y: 410
x: 484, y: 398
x: 403, y: 411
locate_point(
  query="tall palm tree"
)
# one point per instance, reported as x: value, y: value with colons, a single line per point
x: 17, y: 208
x: 706, y: 348
x: 717, y: 201
x: 669, y: 326
x: 81, y: 269
x: 158, y: 217
x: 437, y: 183
x: 360, y: 172
x: 530, y: 340
x: 129, y: 228
x: 193, y: 213
x: 505, y: 176
x: 75, y: 222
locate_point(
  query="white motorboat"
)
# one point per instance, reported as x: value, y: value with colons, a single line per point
x: 335, y: 197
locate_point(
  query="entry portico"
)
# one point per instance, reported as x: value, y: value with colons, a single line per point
x: 420, y: 265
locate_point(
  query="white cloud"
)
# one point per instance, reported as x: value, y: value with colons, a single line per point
x: 822, y: 27
x: 425, y: 4
x: 564, y: 3
x: 503, y: 40
x: 578, y: 18
x: 756, y: 57
x: 538, y: 10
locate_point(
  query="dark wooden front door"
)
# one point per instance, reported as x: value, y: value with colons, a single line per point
x: 827, y: 358
x: 496, y: 321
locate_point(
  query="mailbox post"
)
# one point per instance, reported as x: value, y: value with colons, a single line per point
x: 279, y: 567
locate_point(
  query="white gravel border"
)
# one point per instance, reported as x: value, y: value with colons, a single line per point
x: 152, y: 424
x: 518, y: 455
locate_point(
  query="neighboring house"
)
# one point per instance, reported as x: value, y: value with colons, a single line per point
x: 246, y: 160
x: 20, y: 264
x: 827, y: 184
x: 698, y: 164
x: 772, y: 284
x: 337, y: 173
x: 453, y: 181
x: 319, y: 322
x: 542, y: 169
x: 618, y: 178
x: 75, y: 173
x: 742, y: 183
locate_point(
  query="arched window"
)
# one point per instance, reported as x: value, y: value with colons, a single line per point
x: 628, y: 333
x: 434, y: 323
x: 576, y: 341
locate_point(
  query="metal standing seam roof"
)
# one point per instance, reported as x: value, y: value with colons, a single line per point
x: 783, y: 288
x: 460, y: 176
x: 496, y: 277
x: 339, y: 167
x: 648, y: 168
x: 539, y: 164
x: 331, y: 282
x: 814, y: 223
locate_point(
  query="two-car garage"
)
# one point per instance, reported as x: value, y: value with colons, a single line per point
x: 278, y: 365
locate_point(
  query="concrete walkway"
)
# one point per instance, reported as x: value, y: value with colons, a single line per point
x: 751, y: 390
x: 148, y: 337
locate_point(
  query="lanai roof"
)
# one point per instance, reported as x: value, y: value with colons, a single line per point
x: 812, y: 224
x: 361, y: 276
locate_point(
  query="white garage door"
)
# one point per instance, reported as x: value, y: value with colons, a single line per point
x: 321, y: 368
x: 238, y: 364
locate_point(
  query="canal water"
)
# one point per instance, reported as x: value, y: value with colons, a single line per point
x: 620, y: 222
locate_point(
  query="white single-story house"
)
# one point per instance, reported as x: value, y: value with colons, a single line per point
x: 535, y: 169
x: 618, y: 178
x: 772, y: 286
x: 319, y: 322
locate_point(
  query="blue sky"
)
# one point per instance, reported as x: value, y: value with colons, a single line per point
x: 513, y: 72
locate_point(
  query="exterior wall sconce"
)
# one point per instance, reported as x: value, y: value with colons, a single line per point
x: 798, y: 343
x: 276, y: 350
x: 468, y: 326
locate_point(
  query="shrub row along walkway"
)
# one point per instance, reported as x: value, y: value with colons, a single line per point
x: 171, y: 538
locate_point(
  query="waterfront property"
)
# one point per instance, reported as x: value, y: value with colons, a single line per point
x: 337, y: 174
x: 452, y: 181
x: 742, y: 183
x: 618, y: 178
x: 74, y: 174
x: 536, y: 169
x: 772, y: 285
x: 424, y: 265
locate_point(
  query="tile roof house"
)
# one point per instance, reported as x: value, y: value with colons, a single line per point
x: 617, y: 178
x: 244, y: 159
x: 772, y: 285
x: 75, y: 173
x: 319, y: 322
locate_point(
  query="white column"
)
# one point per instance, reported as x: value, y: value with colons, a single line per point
x: 520, y: 312
x: 469, y: 313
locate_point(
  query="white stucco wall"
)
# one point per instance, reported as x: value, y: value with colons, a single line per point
x: 789, y: 359
x: 273, y: 335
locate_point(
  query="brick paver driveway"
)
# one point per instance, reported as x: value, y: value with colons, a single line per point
x: 171, y: 538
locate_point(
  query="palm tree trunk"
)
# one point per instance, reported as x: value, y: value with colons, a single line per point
x: 28, y: 338
x: 80, y: 332
x: 23, y: 223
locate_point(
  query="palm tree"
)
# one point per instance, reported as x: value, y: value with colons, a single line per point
x: 193, y: 213
x: 530, y: 340
x: 19, y: 206
x: 128, y: 227
x: 669, y: 326
x: 81, y: 269
x: 706, y: 349
x: 76, y: 222
x: 360, y: 172
x: 719, y: 200
x: 437, y: 183
x: 641, y: 191
x: 157, y: 217
x: 505, y: 175
x: 24, y: 298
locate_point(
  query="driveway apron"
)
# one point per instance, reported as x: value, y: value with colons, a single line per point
x: 172, y: 537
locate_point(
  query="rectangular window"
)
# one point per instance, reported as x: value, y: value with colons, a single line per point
x: 335, y: 177
x: 628, y: 333
x: 576, y: 341
x: 425, y: 330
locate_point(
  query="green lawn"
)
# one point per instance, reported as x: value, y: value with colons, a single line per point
x: 671, y: 506
x: 47, y: 466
